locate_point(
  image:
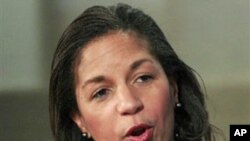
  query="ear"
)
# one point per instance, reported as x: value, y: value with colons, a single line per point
x: 175, y: 92
x: 79, y: 121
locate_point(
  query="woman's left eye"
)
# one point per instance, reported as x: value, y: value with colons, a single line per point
x: 144, y: 78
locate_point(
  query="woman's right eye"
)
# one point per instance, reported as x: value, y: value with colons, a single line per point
x: 100, y: 93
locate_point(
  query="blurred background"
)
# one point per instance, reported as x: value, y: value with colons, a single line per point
x: 212, y: 36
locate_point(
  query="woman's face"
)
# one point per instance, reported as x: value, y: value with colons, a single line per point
x: 122, y: 92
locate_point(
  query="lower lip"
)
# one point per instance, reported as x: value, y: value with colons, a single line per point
x: 143, y: 137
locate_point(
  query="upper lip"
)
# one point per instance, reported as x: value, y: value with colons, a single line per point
x: 137, y: 127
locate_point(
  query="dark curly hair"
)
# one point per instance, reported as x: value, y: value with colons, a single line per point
x: 191, y: 120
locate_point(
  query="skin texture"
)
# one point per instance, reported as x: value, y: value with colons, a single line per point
x: 120, y: 85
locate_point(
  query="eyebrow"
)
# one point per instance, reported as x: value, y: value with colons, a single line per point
x: 97, y: 79
x: 101, y: 78
x: 138, y: 63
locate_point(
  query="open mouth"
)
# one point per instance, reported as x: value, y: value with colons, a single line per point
x: 140, y: 132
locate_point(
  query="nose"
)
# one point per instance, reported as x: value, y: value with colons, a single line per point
x: 129, y: 103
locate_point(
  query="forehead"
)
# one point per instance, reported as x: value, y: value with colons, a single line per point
x: 115, y: 44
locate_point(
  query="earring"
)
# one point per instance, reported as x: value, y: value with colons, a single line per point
x: 178, y: 110
x: 178, y: 105
x: 176, y: 132
x: 86, y: 135
x: 177, y: 137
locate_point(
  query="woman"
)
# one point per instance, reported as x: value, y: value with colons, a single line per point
x: 115, y: 77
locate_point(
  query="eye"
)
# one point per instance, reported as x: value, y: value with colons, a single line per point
x: 144, y: 78
x: 101, y: 93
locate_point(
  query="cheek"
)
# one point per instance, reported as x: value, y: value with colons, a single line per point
x: 160, y: 104
x: 92, y: 123
x: 99, y: 122
x: 160, y: 109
